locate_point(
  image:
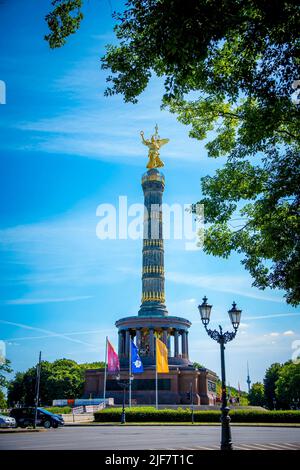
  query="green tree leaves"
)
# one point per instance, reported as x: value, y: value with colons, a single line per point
x: 288, y: 384
x: 62, y: 378
x: 256, y: 395
x: 271, y: 377
x: 239, y: 58
x: 281, y: 387
x: 5, y: 368
x: 63, y: 21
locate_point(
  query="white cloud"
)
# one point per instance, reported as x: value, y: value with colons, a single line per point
x: 48, y: 333
x: 31, y: 301
x: 117, y: 146
x: 276, y: 333
x: 240, y: 285
x: 109, y: 130
x: 49, y: 248
x: 272, y: 315
x: 103, y: 332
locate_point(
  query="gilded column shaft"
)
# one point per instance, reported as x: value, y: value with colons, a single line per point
x: 153, y: 276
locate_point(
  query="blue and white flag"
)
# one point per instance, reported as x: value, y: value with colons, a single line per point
x: 136, y: 363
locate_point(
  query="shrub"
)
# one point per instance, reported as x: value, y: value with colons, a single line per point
x: 150, y: 414
x: 59, y: 410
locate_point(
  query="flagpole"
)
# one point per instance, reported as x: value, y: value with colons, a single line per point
x: 105, y: 372
x: 156, y: 380
x: 37, y: 388
x: 129, y: 372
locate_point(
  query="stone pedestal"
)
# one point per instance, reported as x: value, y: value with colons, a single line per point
x: 173, y: 387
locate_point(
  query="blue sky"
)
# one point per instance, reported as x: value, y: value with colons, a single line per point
x: 65, y: 149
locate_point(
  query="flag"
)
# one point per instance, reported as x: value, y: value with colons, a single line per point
x: 113, y: 364
x: 161, y: 357
x: 136, y: 363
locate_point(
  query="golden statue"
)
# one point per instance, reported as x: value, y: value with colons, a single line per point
x: 154, y: 145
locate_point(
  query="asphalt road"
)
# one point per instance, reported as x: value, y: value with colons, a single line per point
x: 152, y: 438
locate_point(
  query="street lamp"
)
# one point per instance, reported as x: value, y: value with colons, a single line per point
x: 222, y: 339
x: 124, y: 385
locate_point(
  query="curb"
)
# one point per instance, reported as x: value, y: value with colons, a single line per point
x: 15, y: 431
x: 266, y: 425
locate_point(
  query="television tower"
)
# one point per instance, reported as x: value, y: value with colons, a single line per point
x: 248, y: 378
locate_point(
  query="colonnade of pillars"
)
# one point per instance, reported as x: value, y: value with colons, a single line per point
x: 178, y: 337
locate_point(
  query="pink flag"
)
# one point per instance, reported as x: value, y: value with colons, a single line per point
x: 113, y: 364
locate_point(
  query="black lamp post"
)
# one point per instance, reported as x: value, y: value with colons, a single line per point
x: 124, y: 385
x: 222, y: 339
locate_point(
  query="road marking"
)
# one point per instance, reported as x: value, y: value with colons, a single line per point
x: 207, y: 448
x: 284, y: 445
x: 269, y: 446
x: 294, y: 446
x: 212, y: 447
x: 253, y: 446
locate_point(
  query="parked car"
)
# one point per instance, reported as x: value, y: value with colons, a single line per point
x: 25, y: 417
x: 7, y: 422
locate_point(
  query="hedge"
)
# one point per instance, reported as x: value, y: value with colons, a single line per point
x: 150, y: 414
x: 59, y: 410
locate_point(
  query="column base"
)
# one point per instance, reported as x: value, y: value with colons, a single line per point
x: 153, y: 309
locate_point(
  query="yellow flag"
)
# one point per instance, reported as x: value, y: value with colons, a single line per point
x: 161, y: 357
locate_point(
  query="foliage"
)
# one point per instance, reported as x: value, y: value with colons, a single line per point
x: 271, y: 376
x: 257, y: 394
x: 197, y: 365
x: 59, y: 410
x: 5, y: 368
x: 3, y: 401
x: 228, y: 67
x: 287, y: 386
x: 62, y: 378
x: 63, y: 20
x: 150, y: 414
x: 93, y: 365
x: 240, y: 59
x: 232, y: 392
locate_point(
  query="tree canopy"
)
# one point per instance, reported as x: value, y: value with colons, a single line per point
x: 256, y: 395
x: 229, y: 69
x: 271, y: 376
x: 287, y: 386
x: 281, y: 387
x: 5, y: 368
x: 63, y: 378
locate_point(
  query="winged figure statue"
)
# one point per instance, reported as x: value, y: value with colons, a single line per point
x: 154, y: 144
